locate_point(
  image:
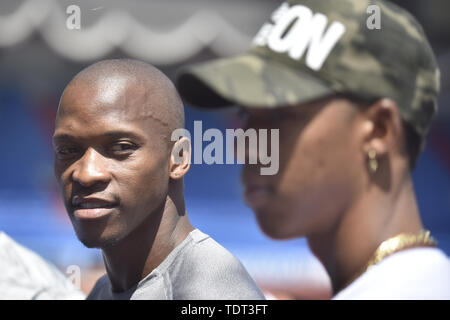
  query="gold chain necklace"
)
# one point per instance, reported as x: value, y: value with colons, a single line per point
x: 392, y: 245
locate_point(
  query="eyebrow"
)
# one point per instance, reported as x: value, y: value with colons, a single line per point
x: 109, y: 134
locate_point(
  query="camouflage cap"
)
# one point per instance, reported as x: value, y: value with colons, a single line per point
x: 313, y: 48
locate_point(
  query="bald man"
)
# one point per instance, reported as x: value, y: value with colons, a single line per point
x: 123, y: 190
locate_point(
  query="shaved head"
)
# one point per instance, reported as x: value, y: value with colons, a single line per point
x: 144, y: 91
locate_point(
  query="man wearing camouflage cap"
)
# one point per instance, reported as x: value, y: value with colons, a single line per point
x: 353, y: 107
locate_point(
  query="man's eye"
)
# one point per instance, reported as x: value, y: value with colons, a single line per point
x: 121, y: 147
x: 66, y: 151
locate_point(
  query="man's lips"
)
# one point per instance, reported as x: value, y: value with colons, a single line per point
x: 91, y: 207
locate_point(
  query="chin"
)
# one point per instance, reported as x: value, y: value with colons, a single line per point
x: 275, y: 227
x: 98, y: 241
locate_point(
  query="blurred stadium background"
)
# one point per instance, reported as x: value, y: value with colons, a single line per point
x: 39, y: 55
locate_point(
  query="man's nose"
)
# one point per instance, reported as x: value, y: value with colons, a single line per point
x: 91, y: 169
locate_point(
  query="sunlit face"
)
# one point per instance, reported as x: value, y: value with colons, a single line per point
x: 110, y: 162
x: 319, y: 163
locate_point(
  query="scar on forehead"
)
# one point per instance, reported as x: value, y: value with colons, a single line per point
x: 150, y: 114
x: 111, y: 88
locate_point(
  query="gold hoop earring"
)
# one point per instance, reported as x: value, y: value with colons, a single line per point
x: 373, y: 162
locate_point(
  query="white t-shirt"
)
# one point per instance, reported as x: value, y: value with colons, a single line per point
x: 26, y: 276
x: 417, y: 273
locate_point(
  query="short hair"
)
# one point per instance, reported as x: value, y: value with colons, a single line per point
x: 414, y: 144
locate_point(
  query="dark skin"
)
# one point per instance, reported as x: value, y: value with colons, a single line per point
x: 324, y: 190
x: 121, y: 187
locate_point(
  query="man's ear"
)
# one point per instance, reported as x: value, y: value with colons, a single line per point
x: 382, y: 126
x: 180, y: 158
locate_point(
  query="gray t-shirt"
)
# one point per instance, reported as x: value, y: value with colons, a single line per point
x: 197, y: 269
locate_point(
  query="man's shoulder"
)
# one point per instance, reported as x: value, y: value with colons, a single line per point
x: 206, y: 270
x: 204, y: 250
x: 26, y: 275
x: 425, y: 264
x: 420, y: 273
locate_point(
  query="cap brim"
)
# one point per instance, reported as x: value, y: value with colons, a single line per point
x: 248, y: 80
